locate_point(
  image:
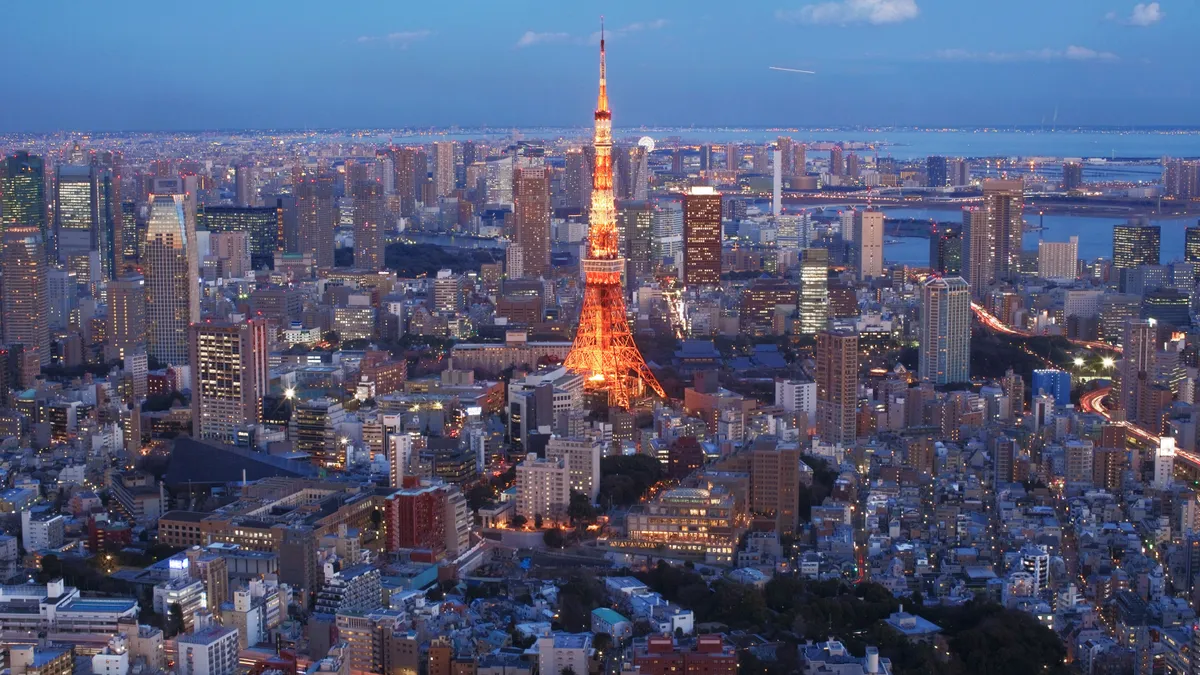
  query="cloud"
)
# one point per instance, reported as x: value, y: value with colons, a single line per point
x: 531, y: 38
x: 624, y: 31
x: 1146, y: 14
x: 853, y: 11
x: 401, y: 39
x: 1071, y: 53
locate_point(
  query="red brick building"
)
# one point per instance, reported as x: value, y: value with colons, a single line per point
x: 416, y: 518
x: 708, y: 656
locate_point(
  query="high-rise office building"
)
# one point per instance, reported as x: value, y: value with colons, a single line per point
x: 1004, y: 204
x: 639, y: 173
x: 702, y: 236
x: 946, y: 250
x: 814, y: 290
x: 775, y: 482
x: 404, y: 162
x: 979, y: 249
x: 443, y: 180
x: 24, y: 292
x: 733, y: 157
x: 1058, y: 259
x: 23, y: 192
x: 84, y: 218
x: 369, y: 210
x: 1136, y: 243
x: 127, y: 314
x: 315, y: 216
x: 837, y: 386
x: 263, y: 225
x: 531, y: 212
x: 1072, y: 176
x: 1191, y: 244
x: 171, y: 268
x: 706, y: 155
x: 945, y: 338
x: 230, y: 377
x: 868, y: 243
x: 785, y: 145
x: 313, y: 431
x: 936, y: 170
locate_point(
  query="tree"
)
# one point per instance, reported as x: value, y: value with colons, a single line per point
x: 537, y: 521
x: 52, y: 568
x: 567, y: 670
x: 518, y: 521
x: 554, y: 538
x: 174, y: 619
x: 580, y: 509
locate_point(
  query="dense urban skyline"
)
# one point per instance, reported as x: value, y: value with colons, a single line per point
x: 297, y: 65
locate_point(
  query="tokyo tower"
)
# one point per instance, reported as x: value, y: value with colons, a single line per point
x: 604, y: 350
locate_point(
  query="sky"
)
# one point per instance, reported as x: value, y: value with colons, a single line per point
x: 134, y: 65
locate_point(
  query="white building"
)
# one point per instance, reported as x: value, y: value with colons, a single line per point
x: 560, y: 651
x: 543, y: 489
x: 113, y: 659
x: 1058, y: 259
x: 184, y: 591
x: 56, y: 607
x: 212, y: 650
x: 868, y: 243
x: 41, y: 531
x: 797, y: 396
x: 582, y: 456
x: 945, y: 334
x: 1164, y: 463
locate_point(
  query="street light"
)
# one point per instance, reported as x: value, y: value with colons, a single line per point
x: 1078, y: 361
x: 1109, y: 362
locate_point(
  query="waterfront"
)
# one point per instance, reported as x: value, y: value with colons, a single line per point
x: 1095, y: 234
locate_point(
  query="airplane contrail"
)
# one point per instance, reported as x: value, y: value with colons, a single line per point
x: 792, y: 70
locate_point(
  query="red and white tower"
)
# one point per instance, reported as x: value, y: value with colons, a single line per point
x: 604, y: 350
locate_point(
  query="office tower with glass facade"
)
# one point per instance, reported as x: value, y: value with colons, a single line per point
x: 1136, y: 243
x: 171, y: 268
x: 945, y: 337
x: 84, y: 220
x: 837, y: 386
x: 936, y: 170
x: 24, y: 291
x: 263, y: 226
x: 945, y: 249
x: 702, y: 237
x: 1072, y: 176
x: 230, y: 377
x: 814, y: 291
x: 635, y: 229
x: 23, y: 192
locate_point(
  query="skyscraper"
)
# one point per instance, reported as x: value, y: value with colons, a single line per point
x: 946, y: 250
x: 84, y: 218
x: 1004, y: 204
x: 837, y: 386
x: 368, y: 225
x: 936, y: 171
x: 243, y: 184
x: 1136, y: 243
x: 1072, y: 176
x: 263, y: 225
x: 314, y: 216
x: 443, y: 180
x: 127, y: 314
x: 702, y: 236
x: 639, y: 176
x: 785, y: 145
x: 230, y: 376
x: 945, y: 342
x: 23, y: 192
x: 24, y: 291
x: 733, y: 157
x: 531, y: 212
x: 706, y: 162
x: 171, y: 269
x: 837, y: 164
x: 978, y: 250
x: 814, y: 290
x: 1191, y: 244
x: 577, y: 180
x: 1140, y: 344
x: 868, y: 243
x: 636, y: 220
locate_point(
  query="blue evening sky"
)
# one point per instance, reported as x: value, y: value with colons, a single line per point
x: 373, y: 63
